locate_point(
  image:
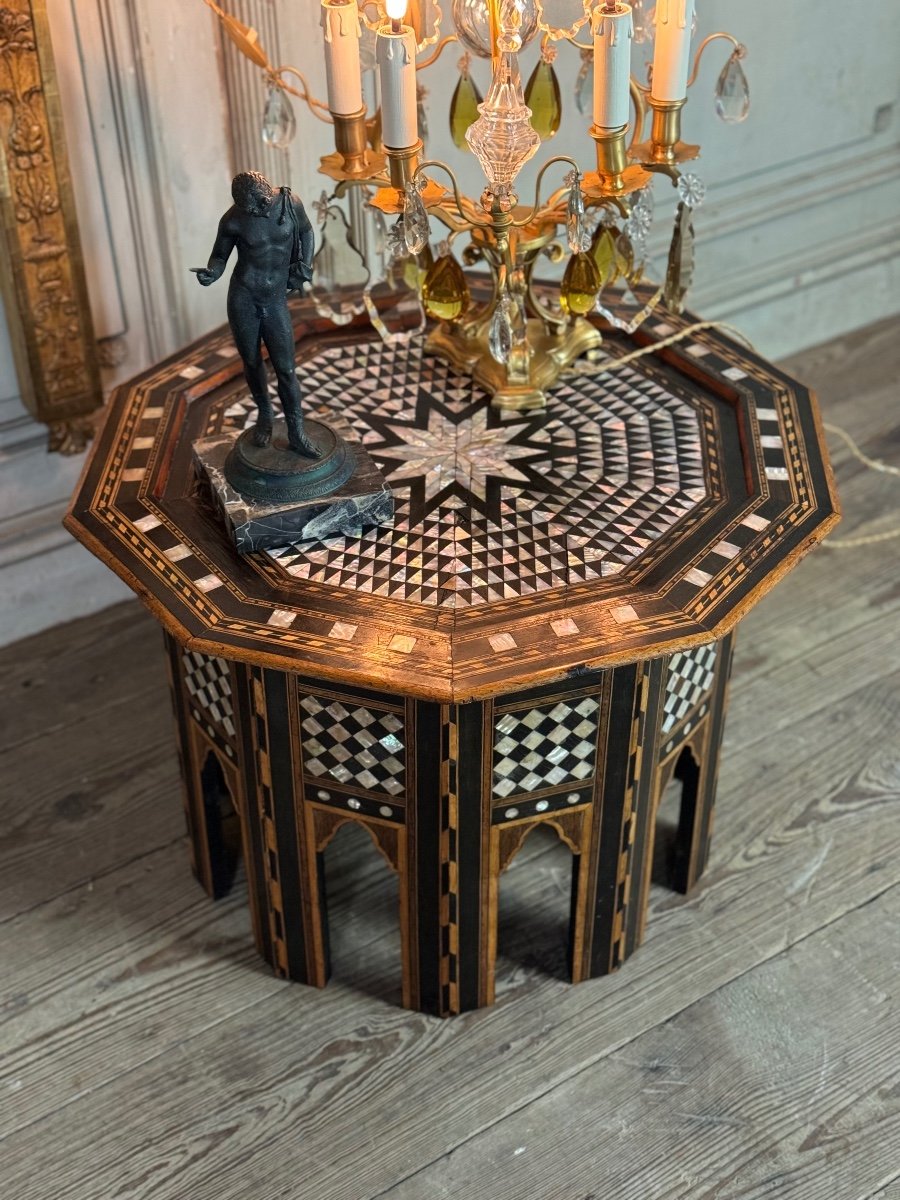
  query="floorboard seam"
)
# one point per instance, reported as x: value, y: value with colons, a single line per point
x: 880, y: 1186
x: 168, y: 1049
x: 628, y: 1041
x: 55, y: 730
x: 120, y: 866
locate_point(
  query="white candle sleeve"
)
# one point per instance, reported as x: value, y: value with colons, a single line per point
x: 613, y: 33
x: 343, y: 78
x: 396, y: 57
x: 672, y: 53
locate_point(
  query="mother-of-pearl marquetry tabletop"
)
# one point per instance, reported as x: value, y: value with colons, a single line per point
x: 645, y: 510
x: 542, y: 636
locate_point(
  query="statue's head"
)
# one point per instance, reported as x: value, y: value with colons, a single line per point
x: 252, y: 192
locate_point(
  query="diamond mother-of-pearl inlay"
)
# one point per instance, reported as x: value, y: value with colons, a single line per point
x: 691, y: 674
x: 543, y: 747
x: 493, y: 505
x: 353, y: 744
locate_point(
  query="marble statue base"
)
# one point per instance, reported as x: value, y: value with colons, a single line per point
x: 363, y: 500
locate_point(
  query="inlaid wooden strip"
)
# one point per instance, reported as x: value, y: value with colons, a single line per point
x: 472, y: 850
x: 296, y: 914
x: 424, y: 881
x: 603, y: 920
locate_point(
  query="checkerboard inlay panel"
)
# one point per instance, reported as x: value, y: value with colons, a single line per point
x: 209, y: 684
x: 351, y: 744
x: 689, y: 680
x: 544, y: 747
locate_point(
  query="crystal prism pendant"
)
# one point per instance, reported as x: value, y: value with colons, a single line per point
x: 733, y: 91
x: 580, y: 285
x: 393, y: 302
x: 584, y: 83
x: 445, y: 292
x: 641, y: 218
x: 576, y: 229
x: 543, y: 98
x: 464, y: 105
x: 691, y: 190
x: 500, y: 332
x: 415, y: 220
x: 680, y: 267
x: 279, y: 125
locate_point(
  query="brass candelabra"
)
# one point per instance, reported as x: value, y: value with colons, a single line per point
x: 515, y: 336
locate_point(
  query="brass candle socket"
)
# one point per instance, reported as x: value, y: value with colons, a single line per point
x: 612, y: 156
x: 665, y: 131
x: 402, y: 164
x: 616, y: 174
x: 350, y: 141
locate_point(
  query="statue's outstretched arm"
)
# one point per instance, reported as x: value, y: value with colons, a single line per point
x: 221, y: 251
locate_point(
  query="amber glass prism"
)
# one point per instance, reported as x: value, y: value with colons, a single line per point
x: 543, y: 97
x: 580, y: 285
x: 463, y: 108
x: 445, y: 292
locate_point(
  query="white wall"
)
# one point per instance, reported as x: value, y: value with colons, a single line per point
x: 798, y: 239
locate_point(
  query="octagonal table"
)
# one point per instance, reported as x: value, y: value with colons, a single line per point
x: 543, y: 636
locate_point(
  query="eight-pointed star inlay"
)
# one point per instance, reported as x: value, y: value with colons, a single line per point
x: 450, y: 451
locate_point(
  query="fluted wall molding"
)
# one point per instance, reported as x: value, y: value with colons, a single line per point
x: 245, y: 92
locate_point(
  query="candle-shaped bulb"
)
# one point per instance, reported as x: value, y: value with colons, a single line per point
x: 396, y: 10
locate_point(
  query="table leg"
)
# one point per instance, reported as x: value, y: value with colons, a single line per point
x: 285, y: 875
x: 684, y: 742
x: 209, y: 768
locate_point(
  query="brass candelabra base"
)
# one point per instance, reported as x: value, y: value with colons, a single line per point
x: 466, y: 349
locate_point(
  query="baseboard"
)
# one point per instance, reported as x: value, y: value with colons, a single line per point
x: 45, y: 576
x: 55, y: 583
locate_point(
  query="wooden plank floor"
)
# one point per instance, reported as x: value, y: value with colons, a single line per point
x: 750, y: 1049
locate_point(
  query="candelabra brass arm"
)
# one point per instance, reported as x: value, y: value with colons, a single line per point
x: 244, y: 36
x: 557, y: 158
x: 437, y: 51
x: 581, y: 45
x: 460, y: 199
x: 739, y: 47
x: 316, y: 107
x: 639, y: 100
x: 558, y: 320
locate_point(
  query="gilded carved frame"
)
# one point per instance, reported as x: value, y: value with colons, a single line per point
x: 42, y: 269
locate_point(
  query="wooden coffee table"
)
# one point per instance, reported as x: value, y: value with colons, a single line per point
x: 542, y: 638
